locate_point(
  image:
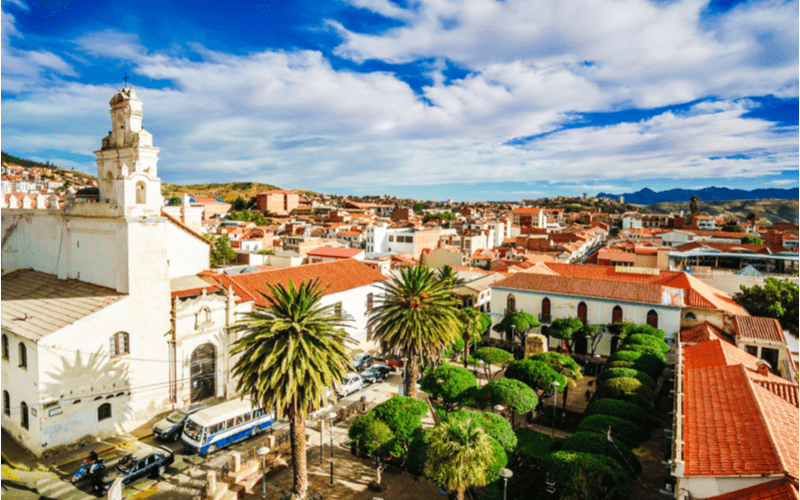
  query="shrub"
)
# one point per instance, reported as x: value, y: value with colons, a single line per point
x: 448, y: 382
x: 641, y: 376
x: 620, y: 364
x: 493, y: 356
x: 403, y: 415
x: 499, y: 462
x: 556, y: 361
x: 510, y: 393
x: 583, y: 476
x: 627, y: 432
x: 646, y: 349
x: 495, y: 426
x: 629, y: 329
x: 615, y: 387
x: 622, y: 409
x: 415, y: 461
x: 535, y: 374
x: 597, y: 444
x: 536, y: 444
x: 655, y: 342
x: 643, y: 361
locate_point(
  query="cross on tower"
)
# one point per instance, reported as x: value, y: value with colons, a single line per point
x: 126, y: 80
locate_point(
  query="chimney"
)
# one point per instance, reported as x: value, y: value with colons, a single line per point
x: 763, y: 368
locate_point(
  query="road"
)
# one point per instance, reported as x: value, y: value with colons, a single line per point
x: 184, y: 479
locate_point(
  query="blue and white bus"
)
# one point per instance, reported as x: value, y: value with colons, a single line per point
x: 208, y: 430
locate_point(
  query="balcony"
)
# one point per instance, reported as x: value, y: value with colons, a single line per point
x: 545, y: 318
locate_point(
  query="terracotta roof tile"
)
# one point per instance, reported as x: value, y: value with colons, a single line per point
x: 781, y: 489
x: 751, y: 327
x: 703, y: 333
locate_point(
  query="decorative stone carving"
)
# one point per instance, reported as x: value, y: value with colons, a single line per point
x: 535, y: 344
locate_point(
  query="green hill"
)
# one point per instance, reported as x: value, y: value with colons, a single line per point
x: 227, y: 192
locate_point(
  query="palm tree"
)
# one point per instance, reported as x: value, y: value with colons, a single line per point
x: 447, y: 273
x: 471, y: 321
x: 416, y: 315
x: 291, y: 353
x: 459, y: 453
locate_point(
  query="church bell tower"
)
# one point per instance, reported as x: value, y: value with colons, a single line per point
x: 127, y: 172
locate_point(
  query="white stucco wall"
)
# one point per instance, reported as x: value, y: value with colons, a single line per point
x: 22, y: 384
x: 187, y: 254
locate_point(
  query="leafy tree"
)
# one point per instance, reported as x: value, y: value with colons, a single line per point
x: 513, y: 394
x: 415, y: 315
x: 694, y: 205
x: 585, y: 476
x: 174, y: 200
x: 448, y: 383
x: 536, y: 375
x: 239, y: 204
x: 749, y: 240
x: 417, y: 452
x: 776, y: 299
x: 518, y: 323
x: 403, y: 415
x: 222, y: 253
x: 290, y: 353
x: 564, y: 365
x: 494, y: 425
x: 374, y: 438
x: 627, y: 328
x: 493, y: 356
x: 648, y: 340
x: 627, y: 432
x: 643, y: 361
x: 418, y: 208
x: 499, y: 461
x: 474, y: 324
x: 622, y: 409
x: 620, y: 387
x: 641, y: 376
x: 595, y: 334
x: 460, y: 453
x: 438, y: 216
x: 655, y: 351
x: 566, y: 329
x: 752, y: 217
x: 598, y: 444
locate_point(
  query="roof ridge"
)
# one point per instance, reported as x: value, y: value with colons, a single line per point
x: 765, y: 422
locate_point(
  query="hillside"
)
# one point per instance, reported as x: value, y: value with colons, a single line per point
x: 13, y: 160
x: 766, y: 210
x: 648, y: 196
x: 227, y: 192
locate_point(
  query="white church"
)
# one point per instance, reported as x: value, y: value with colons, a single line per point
x: 105, y: 322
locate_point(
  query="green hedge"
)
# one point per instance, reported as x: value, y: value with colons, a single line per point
x: 494, y: 425
x: 648, y: 363
x: 417, y: 452
x: 643, y: 339
x: 584, y: 476
x: 615, y: 387
x: 622, y: 409
x: 597, y: 444
x: 646, y: 349
x: 627, y: 432
x: 641, y: 376
x: 629, y: 329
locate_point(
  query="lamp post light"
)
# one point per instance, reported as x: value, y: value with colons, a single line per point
x: 596, y: 364
x: 506, y: 475
x: 555, y: 385
x: 262, y: 452
x: 481, y: 365
x: 331, y: 416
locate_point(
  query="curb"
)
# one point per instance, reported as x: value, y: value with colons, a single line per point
x: 14, y: 465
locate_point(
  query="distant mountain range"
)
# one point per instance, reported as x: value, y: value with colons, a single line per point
x: 647, y: 196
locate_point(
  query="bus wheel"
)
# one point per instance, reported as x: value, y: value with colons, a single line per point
x: 255, y: 431
x: 211, y: 449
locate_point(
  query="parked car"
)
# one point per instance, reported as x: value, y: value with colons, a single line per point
x: 362, y: 361
x: 146, y: 461
x: 375, y: 373
x: 171, y: 427
x: 351, y: 383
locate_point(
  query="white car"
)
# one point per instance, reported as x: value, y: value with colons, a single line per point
x: 351, y: 383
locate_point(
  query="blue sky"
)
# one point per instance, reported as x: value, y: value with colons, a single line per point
x: 473, y: 100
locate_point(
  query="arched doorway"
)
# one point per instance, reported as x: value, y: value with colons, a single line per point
x: 203, y: 372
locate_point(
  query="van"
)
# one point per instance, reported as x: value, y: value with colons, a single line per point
x: 352, y: 382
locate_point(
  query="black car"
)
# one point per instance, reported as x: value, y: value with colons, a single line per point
x: 362, y: 361
x: 375, y: 373
x: 147, y: 461
x: 172, y: 427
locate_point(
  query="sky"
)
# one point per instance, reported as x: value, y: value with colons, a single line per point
x: 431, y: 99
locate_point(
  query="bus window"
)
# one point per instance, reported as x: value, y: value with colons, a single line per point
x: 248, y: 416
x: 192, y: 430
x: 230, y: 423
x: 239, y: 420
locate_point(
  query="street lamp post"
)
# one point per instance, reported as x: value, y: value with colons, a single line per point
x: 331, y: 416
x: 555, y: 403
x: 506, y: 475
x: 596, y: 364
x: 588, y: 343
x: 262, y: 452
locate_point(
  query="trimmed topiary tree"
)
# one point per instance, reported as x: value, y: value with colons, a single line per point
x: 643, y: 361
x: 417, y: 456
x: 627, y: 329
x: 537, y: 375
x: 616, y: 387
x: 499, y: 463
x: 597, y: 444
x: 622, y: 409
x: 649, y: 340
x: 493, y: 356
x: 641, y: 376
x: 513, y: 394
x: 494, y: 425
x: 584, y: 476
x: 448, y: 383
x: 624, y: 430
x: 646, y: 349
x: 374, y: 438
x: 403, y: 415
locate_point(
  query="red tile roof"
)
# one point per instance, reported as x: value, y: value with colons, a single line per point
x: 751, y: 327
x: 781, y: 489
x: 336, y: 276
x: 633, y: 292
x: 335, y: 253
x: 703, y: 333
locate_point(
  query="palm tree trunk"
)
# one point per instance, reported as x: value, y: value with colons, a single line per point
x: 466, y: 349
x: 566, y: 394
x: 460, y: 493
x: 410, y: 383
x: 297, y: 437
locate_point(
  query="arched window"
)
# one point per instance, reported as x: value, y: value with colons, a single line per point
x: 23, y: 414
x: 118, y: 344
x: 690, y: 316
x: 583, y: 312
x: 545, y: 317
x: 616, y: 315
x: 203, y: 317
x: 23, y: 355
x: 6, y: 403
x: 5, y: 346
x: 141, y: 193
x: 652, y: 318
x: 109, y: 177
x: 104, y: 411
x: 511, y: 303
